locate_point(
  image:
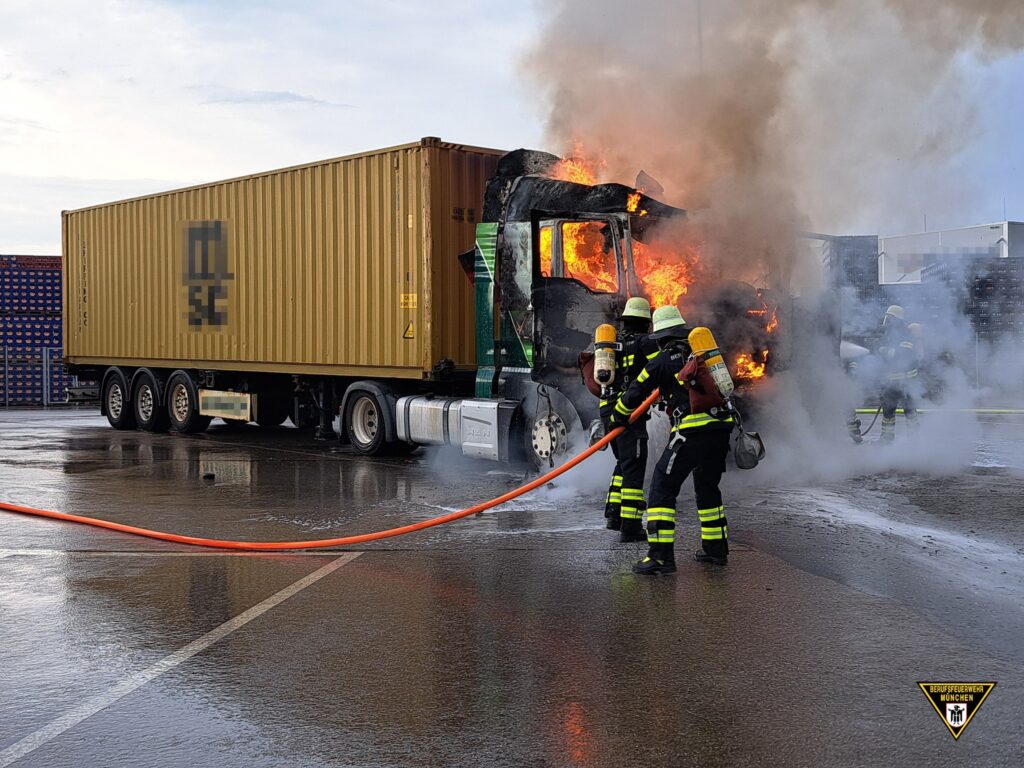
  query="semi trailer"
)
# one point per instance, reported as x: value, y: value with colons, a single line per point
x: 424, y: 294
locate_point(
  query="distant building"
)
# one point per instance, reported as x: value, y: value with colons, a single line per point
x: 904, y: 259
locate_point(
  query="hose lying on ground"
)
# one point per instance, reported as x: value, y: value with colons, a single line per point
x: 344, y: 540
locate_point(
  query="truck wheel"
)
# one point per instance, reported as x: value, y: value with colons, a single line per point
x: 364, y: 422
x: 117, y: 403
x: 549, y: 424
x: 547, y: 440
x: 149, y: 416
x: 183, y: 405
x: 271, y: 411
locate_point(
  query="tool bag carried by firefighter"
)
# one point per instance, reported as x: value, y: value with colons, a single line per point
x: 748, y: 449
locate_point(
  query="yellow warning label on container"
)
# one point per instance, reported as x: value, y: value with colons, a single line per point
x: 408, y: 300
x: 410, y: 333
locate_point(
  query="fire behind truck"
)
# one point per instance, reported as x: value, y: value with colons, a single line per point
x: 426, y: 294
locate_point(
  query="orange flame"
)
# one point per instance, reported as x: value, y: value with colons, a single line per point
x: 576, y: 171
x: 585, y: 258
x: 665, y: 273
x: 546, y: 236
x: 748, y: 368
x: 772, y: 315
x: 633, y: 202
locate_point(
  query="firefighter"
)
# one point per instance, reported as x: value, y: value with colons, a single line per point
x: 900, y: 359
x: 625, y: 504
x: 701, y: 423
x: 852, y: 421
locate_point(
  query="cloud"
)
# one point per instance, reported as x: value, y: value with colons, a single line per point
x: 189, y: 92
x: 218, y: 94
x: 30, y: 206
x: 20, y: 122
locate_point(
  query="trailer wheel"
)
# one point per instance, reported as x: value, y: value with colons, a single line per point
x: 116, y: 401
x: 149, y: 416
x: 364, y: 422
x: 183, y: 405
x: 271, y: 411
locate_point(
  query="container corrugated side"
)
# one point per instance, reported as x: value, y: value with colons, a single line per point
x: 329, y: 269
x: 456, y: 176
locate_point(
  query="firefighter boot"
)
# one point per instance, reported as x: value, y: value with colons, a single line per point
x: 632, y: 530
x: 713, y: 553
x: 632, y: 513
x: 660, y: 559
x: 613, y: 502
x: 714, y: 536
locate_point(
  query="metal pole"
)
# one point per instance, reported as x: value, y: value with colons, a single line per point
x: 46, y: 377
x: 700, y: 36
x: 977, y: 362
x: 7, y: 381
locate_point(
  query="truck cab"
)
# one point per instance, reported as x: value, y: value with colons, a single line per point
x: 556, y: 262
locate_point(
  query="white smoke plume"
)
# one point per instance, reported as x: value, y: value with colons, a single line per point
x: 773, y: 115
x: 765, y: 118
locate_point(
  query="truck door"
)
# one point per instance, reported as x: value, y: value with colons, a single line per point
x: 580, y: 281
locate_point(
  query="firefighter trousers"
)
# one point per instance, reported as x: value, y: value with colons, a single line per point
x: 892, y: 397
x: 625, y: 498
x: 703, y: 453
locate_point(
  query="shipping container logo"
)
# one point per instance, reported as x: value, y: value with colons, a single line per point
x: 207, y: 277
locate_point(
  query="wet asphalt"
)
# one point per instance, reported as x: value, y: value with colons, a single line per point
x: 515, y: 638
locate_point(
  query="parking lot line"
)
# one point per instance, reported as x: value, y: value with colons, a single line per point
x: 101, y: 701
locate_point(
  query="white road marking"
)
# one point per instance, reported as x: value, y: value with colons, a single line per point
x: 97, y: 703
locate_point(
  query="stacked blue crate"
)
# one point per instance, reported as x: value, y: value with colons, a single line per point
x: 996, y: 297
x: 30, y: 327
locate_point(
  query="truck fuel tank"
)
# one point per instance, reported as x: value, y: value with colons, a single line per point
x: 479, y: 427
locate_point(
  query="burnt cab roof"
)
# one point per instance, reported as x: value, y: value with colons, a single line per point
x: 537, y: 193
x: 521, y: 186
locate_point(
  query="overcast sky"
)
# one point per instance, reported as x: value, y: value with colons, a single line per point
x: 105, y: 99
x: 102, y: 99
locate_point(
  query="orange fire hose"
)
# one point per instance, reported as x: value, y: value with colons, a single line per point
x: 344, y: 540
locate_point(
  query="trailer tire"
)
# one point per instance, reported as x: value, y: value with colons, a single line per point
x: 271, y: 411
x: 117, y: 401
x: 183, y: 405
x: 150, y: 416
x: 364, y: 423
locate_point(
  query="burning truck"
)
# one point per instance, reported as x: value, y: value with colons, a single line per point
x: 333, y: 292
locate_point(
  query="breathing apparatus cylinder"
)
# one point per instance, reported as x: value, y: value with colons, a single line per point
x: 604, y: 354
x: 704, y: 346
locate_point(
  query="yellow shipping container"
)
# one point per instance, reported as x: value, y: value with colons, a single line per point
x: 345, y: 267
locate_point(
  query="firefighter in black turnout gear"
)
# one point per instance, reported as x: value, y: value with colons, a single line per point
x: 900, y: 358
x: 699, y: 444
x: 625, y: 504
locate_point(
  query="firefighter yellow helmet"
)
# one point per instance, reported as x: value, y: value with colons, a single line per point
x: 668, y: 323
x: 916, y: 330
x: 895, y: 311
x: 637, y: 307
